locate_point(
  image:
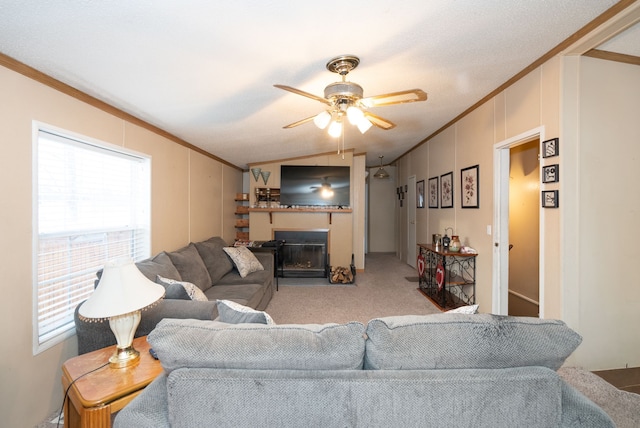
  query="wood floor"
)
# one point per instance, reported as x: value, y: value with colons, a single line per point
x: 624, y: 379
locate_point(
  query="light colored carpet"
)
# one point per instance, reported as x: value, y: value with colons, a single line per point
x: 381, y: 290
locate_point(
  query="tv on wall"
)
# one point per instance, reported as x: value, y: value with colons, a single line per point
x: 315, y: 185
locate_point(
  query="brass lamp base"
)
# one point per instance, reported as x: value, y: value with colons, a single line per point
x: 124, y: 357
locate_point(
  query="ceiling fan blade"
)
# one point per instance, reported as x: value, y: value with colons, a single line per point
x: 303, y: 93
x: 408, y: 96
x: 300, y: 122
x: 379, y: 122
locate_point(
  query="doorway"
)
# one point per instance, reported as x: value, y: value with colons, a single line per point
x: 525, y: 228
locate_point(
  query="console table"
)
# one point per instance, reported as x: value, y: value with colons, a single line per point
x: 448, y: 279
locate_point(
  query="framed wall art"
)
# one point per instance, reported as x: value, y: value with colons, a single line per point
x: 550, y: 199
x: 433, y: 192
x: 470, y: 187
x: 550, y: 148
x: 446, y: 190
x: 420, y: 194
x: 550, y: 174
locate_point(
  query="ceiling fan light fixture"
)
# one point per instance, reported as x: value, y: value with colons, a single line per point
x: 322, y: 119
x: 355, y: 115
x: 335, y: 129
x: 364, y: 124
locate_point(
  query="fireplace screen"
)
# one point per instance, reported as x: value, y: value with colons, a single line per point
x: 304, y: 253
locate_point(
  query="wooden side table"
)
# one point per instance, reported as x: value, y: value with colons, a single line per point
x: 95, y: 397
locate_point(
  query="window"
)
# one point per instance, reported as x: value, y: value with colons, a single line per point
x: 91, y: 205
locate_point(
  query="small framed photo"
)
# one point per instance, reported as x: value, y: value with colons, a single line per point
x: 550, y: 199
x: 470, y: 187
x: 433, y: 192
x: 550, y: 148
x: 550, y: 174
x: 420, y: 194
x: 446, y: 190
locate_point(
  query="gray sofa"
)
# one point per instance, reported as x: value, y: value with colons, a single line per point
x: 204, y: 264
x: 445, y: 370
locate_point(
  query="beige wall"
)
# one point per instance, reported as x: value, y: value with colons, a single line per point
x: 588, y: 285
x: 190, y: 199
x: 382, y: 221
x: 600, y: 164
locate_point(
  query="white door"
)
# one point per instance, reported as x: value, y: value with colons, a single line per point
x: 411, y: 217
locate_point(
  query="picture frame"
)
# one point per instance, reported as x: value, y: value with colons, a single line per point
x: 550, y: 148
x: 550, y: 199
x: 420, y: 194
x: 446, y: 190
x: 433, y: 192
x: 470, y: 187
x: 550, y: 173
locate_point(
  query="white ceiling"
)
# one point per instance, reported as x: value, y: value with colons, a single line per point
x: 204, y: 70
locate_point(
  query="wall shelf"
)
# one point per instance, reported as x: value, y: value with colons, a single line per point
x: 329, y: 211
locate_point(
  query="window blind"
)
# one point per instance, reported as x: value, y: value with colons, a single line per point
x: 93, y: 205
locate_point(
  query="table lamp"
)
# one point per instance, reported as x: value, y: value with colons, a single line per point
x: 122, y: 293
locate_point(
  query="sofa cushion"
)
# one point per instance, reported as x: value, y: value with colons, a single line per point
x: 215, y: 259
x: 212, y: 344
x: 459, y: 341
x: 189, y: 264
x: 192, y: 292
x: 244, y: 260
x: 235, y: 313
x: 469, y: 309
x: 159, y: 265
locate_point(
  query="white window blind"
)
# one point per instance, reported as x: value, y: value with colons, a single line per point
x: 93, y: 205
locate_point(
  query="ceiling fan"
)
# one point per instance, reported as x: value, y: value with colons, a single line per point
x: 346, y: 99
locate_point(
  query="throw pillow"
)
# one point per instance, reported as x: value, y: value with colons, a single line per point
x: 245, y: 261
x: 470, y: 309
x: 215, y: 259
x: 192, y: 291
x: 235, y: 313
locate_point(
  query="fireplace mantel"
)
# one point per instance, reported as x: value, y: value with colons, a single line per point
x: 330, y: 211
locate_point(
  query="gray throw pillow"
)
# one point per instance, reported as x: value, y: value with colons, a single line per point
x: 235, y: 313
x: 461, y: 341
x: 189, y: 264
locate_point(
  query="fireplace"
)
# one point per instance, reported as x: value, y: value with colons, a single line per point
x: 304, y: 253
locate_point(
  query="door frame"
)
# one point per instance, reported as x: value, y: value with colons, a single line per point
x: 501, y: 162
x: 412, y: 227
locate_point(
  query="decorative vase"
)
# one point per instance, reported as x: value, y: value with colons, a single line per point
x: 454, y: 245
x: 256, y: 173
x: 265, y: 176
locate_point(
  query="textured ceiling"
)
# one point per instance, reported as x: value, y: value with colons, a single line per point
x: 204, y: 70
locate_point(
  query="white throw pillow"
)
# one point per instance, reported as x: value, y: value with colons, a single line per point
x: 471, y: 309
x: 245, y: 261
x: 194, y: 292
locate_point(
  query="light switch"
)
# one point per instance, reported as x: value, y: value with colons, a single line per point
x: 489, y: 229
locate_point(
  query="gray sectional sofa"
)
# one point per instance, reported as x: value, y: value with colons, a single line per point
x: 204, y: 264
x: 445, y: 370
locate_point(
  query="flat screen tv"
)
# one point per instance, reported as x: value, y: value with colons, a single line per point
x: 315, y: 185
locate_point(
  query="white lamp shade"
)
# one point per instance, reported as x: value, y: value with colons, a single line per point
x: 355, y: 115
x: 322, y: 119
x: 364, y: 124
x: 335, y: 129
x: 122, y: 289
